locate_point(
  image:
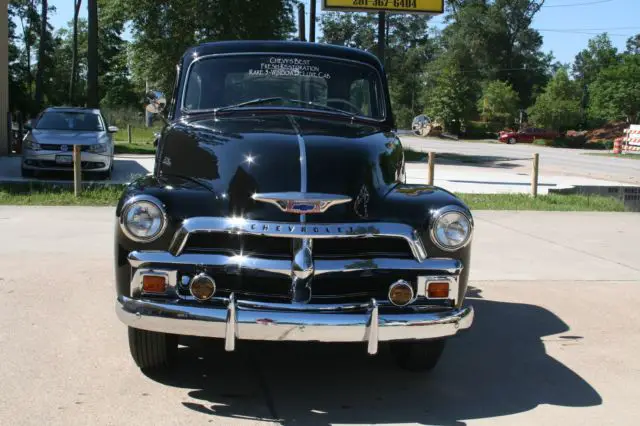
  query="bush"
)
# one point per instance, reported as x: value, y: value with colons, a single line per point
x: 482, y: 130
x: 577, y: 142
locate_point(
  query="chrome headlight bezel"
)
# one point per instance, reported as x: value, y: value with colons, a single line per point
x: 134, y: 201
x: 441, y: 213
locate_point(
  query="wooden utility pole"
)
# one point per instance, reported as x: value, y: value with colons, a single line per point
x: 301, y: 20
x: 312, y: 21
x: 77, y: 170
x: 92, y: 55
x: 382, y: 23
x: 432, y: 166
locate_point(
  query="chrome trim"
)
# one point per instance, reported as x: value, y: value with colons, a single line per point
x: 423, y: 285
x: 373, y: 325
x: 235, y: 264
x: 150, y: 199
x: 231, y: 329
x: 381, y: 99
x: 136, y: 280
x: 297, y: 230
x: 441, y: 212
x: 303, y: 156
x: 202, y: 276
x: 404, y: 284
x: 233, y: 323
x: 283, y: 200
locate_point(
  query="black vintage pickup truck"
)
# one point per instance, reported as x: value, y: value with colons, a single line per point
x: 278, y: 210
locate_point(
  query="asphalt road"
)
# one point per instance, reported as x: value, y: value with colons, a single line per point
x: 555, y: 341
x: 557, y: 161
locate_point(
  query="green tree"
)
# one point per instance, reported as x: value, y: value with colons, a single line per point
x: 450, y: 95
x: 633, y: 44
x: 163, y: 29
x: 499, y: 102
x: 558, y: 107
x: 615, y: 94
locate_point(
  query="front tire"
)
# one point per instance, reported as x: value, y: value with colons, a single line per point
x: 27, y: 173
x: 151, y: 350
x: 511, y: 141
x: 417, y: 356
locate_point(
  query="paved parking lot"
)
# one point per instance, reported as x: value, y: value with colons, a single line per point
x: 555, y: 341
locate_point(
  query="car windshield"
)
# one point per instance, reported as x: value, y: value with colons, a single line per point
x: 69, y: 120
x: 296, y: 81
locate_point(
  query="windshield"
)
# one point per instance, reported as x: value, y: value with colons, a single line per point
x: 284, y: 80
x: 68, y: 120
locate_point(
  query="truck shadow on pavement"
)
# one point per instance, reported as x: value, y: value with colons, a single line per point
x: 499, y: 367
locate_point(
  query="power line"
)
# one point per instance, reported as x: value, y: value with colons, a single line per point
x: 587, y: 33
x: 578, y: 4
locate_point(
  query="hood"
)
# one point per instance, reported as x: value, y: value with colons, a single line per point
x: 68, y: 137
x: 237, y: 156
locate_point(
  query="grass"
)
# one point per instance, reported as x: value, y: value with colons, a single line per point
x: 141, y: 140
x: 551, y: 202
x: 625, y: 156
x: 56, y: 195
x: 134, y: 148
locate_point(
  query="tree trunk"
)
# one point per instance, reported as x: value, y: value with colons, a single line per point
x: 41, y: 55
x: 74, y: 52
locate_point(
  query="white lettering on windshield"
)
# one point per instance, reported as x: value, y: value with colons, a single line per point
x: 289, y: 67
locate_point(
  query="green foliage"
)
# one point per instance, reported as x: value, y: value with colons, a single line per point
x: 599, y: 55
x: 163, y: 30
x: 558, y: 107
x: 499, y: 102
x: 550, y: 202
x: 615, y: 94
x: 450, y: 94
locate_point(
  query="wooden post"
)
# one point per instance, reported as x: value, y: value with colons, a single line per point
x: 432, y: 164
x: 129, y: 132
x: 77, y: 170
x: 534, y: 175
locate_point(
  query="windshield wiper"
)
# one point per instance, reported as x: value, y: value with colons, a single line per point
x: 259, y: 101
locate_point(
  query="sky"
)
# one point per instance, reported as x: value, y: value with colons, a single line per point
x: 566, y: 25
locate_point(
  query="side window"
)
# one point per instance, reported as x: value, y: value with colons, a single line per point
x: 360, y: 96
x: 194, y: 90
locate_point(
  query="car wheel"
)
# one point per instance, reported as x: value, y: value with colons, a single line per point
x: 511, y: 141
x: 27, y: 173
x: 417, y: 356
x: 151, y: 350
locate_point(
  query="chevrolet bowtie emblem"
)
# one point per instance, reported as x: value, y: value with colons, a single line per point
x: 302, y: 202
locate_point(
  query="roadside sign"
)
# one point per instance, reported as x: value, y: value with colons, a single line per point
x: 401, y: 6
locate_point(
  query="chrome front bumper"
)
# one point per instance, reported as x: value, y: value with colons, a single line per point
x: 245, y: 320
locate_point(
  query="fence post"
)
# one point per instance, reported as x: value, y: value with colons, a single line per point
x: 129, y: 132
x: 432, y: 164
x: 534, y: 175
x: 77, y: 170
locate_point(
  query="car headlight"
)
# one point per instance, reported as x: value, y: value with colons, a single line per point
x: 451, y: 228
x: 31, y: 144
x: 98, y: 148
x: 143, y: 218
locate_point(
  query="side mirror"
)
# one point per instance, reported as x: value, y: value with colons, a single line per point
x: 28, y: 125
x: 112, y: 129
x: 157, y: 102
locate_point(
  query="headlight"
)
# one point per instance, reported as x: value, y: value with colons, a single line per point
x: 143, y: 219
x: 31, y: 144
x: 451, y: 228
x: 98, y: 148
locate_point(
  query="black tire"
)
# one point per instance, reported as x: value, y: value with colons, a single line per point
x: 417, y: 356
x: 27, y: 173
x: 151, y: 350
x: 511, y: 141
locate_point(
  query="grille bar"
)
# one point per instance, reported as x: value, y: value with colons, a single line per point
x: 297, y: 230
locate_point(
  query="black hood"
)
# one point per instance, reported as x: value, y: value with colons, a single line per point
x: 236, y: 156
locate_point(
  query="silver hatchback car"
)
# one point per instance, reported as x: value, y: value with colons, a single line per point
x: 48, y: 144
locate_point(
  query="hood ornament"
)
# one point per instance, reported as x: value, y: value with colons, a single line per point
x: 302, y: 202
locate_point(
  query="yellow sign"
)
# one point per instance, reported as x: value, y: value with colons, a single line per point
x: 401, y: 6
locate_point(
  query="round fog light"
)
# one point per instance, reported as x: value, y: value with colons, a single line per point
x: 401, y: 293
x: 202, y: 287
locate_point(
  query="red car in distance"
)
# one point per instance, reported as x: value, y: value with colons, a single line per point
x: 526, y: 135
